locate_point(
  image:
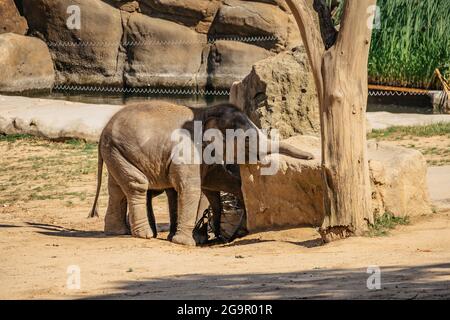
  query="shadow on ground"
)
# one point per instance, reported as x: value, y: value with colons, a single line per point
x: 58, y: 231
x: 422, y: 282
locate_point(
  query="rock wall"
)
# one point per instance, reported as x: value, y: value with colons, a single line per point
x: 293, y: 197
x: 160, y: 43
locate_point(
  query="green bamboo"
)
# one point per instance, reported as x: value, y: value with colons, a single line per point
x: 414, y: 40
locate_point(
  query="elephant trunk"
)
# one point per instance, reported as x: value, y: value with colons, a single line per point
x: 291, y: 151
x: 283, y: 148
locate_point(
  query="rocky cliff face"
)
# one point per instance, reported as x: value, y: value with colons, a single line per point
x: 193, y: 44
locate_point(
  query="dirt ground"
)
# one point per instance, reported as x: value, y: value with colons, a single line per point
x: 45, y: 194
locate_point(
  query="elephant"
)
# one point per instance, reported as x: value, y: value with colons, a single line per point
x: 137, y: 147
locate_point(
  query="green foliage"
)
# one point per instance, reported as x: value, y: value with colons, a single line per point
x: 15, y: 137
x: 80, y: 144
x: 413, y: 41
x: 384, y: 223
x: 437, y: 129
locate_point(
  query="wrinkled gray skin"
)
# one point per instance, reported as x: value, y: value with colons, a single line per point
x: 136, y: 147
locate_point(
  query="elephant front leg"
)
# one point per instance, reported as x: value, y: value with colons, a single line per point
x: 216, y: 206
x: 188, y: 203
x: 151, y: 213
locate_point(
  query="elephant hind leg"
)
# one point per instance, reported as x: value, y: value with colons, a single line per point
x: 116, y: 214
x: 172, y: 196
x: 135, y: 186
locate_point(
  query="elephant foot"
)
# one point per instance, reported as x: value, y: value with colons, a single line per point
x: 143, y: 233
x: 116, y: 230
x: 170, y: 236
x: 184, y: 239
x: 115, y: 227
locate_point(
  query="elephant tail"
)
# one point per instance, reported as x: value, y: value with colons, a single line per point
x: 94, y: 212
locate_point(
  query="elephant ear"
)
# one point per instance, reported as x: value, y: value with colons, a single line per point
x: 217, y: 117
x: 211, y: 123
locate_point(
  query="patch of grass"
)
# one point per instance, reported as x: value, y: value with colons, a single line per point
x: 15, y: 137
x: 81, y: 144
x: 47, y: 170
x: 383, y: 224
x: 393, y: 133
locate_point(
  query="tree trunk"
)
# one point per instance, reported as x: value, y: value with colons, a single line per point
x: 341, y: 78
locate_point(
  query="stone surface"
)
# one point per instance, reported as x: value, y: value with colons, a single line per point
x: 245, y: 18
x: 290, y: 198
x: 293, y: 196
x: 53, y: 119
x: 231, y: 61
x: 384, y: 120
x: 111, y: 46
x: 439, y: 186
x: 279, y: 93
x: 197, y: 14
x: 90, y: 55
x: 128, y: 6
x: 399, y: 180
x: 25, y: 64
x: 163, y: 54
x: 10, y: 19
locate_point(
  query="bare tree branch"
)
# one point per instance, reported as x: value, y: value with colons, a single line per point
x: 329, y: 33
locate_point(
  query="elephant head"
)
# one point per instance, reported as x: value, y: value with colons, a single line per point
x: 229, y: 120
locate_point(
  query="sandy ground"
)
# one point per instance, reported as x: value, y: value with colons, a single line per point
x: 45, y: 196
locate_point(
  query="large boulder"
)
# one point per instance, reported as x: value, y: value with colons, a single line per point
x: 25, y: 64
x: 54, y: 119
x: 231, y: 61
x: 280, y: 93
x: 164, y: 54
x: 252, y: 19
x: 293, y: 197
x: 90, y: 55
x: 399, y: 180
x: 10, y: 19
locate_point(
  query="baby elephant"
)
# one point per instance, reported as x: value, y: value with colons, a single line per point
x: 137, y: 147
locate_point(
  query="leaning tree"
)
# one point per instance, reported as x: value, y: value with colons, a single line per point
x: 339, y: 63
